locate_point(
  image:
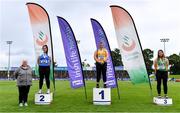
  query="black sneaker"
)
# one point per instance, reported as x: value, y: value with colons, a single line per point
x: 105, y: 86
x: 97, y: 85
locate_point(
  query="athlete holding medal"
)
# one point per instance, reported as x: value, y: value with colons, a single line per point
x: 44, y: 62
x: 161, y: 70
x: 100, y: 56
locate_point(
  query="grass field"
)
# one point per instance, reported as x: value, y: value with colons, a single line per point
x: 133, y: 98
x: 175, y: 76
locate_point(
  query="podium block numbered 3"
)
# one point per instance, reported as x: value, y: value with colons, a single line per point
x: 162, y: 101
x: 45, y: 99
x: 101, y: 96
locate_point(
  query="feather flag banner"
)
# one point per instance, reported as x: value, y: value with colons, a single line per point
x: 72, y: 54
x: 129, y: 45
x: 41, y: 29
x: 100, y: 36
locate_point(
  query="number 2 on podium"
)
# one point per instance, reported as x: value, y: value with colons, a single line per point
x: 42, y: 98
x: 102, y: 94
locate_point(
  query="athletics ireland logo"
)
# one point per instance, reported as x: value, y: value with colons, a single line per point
x: 128, y: 44
x: 42, y: 39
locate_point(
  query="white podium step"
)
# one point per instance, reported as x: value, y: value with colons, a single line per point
x: 101, y: 96
x: 43, y: 99
x: 162, y: 101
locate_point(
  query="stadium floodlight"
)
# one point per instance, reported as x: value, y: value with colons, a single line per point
x: 164, y: 40
x: 9, y: 54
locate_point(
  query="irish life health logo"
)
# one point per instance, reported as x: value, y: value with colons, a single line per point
x: 128, y: 44
x: 42, y: 39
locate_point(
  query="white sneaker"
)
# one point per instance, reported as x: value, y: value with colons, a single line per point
x: 25, y: 104
x: 40, y: 91
x: 20, y: 104
x: 48, y: 91
x: 165, y: 96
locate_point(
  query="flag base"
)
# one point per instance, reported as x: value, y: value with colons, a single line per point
x: 162, y: 101
x: 102, y: 96
x: 43, y: 99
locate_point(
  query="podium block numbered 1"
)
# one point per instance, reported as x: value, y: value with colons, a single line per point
x: 101, y: 96
x: 162, y: 101
x: 43, y: 99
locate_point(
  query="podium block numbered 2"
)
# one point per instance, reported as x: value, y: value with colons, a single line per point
x: 101, y: 96
x: 45, y: 99
x: 162, y: 101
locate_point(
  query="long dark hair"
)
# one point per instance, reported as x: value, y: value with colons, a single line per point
x: 162, y: 52
x: 46, y: 47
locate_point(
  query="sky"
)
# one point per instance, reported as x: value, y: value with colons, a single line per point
x: 154, y: 19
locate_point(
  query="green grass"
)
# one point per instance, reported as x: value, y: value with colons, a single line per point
x: 175, y: 76
x: 171, y: 76
x: 133, y: 98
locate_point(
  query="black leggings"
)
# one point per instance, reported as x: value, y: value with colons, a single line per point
x: 23, y: 93
x: 162, y: 75
x: 101, y: 68
x: 44, y: 71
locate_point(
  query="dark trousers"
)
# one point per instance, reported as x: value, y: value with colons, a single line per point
x: 23, y: 93
x: 44, y: 71
x: 101, y: 69
x: 162, y: 75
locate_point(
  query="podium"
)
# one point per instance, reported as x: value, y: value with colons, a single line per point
x: 101, y: 96
x: 162, y: 101
x: 43, y: 99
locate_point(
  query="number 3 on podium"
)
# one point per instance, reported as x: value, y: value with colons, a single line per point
x: 102, y: 94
